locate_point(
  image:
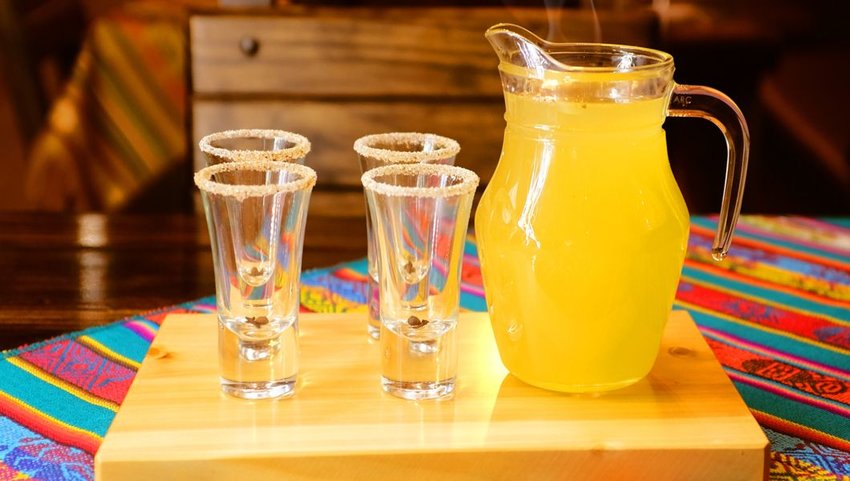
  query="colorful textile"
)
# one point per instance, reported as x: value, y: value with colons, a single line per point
x: 776, y: 313
x: 119, y: 124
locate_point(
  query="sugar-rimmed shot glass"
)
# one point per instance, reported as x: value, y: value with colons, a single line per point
x: 388, y: 149
x: 256, y: 212
x: 254, y: 144
x: 420, y: 214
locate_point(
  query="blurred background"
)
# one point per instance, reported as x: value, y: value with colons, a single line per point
x: 99, y: 110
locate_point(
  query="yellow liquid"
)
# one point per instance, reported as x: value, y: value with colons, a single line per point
x: 582, y: 234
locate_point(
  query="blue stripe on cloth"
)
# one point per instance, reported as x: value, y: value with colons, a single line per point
x: 784, y: 298
x: 54, y: 401
x: 472, y: 302
x: 784, y: 408
x: 788, y: 244
x: 741, y: 254
x: 470, y: 249
x: 839, y: 221
x: 123, y: 341
x: 41, y: 458
x: 353, y: 291
x: 790, y: 345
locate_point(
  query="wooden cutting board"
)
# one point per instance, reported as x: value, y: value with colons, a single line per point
x: 685, y: 421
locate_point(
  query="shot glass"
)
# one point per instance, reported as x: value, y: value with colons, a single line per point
x: 254, y: 144
x: 256, y: 212
x: 420, y: 214
x: 396, y: 148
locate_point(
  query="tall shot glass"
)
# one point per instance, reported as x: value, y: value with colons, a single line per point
x: 420, y: 213
x: 256, y: 212
x: 396, y: 148
x: 254, y: 144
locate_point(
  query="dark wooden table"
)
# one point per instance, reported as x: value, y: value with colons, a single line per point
x: 61, y: 273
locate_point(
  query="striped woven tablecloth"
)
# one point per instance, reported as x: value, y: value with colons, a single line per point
x: 776, y: 313
x: 119, y: 126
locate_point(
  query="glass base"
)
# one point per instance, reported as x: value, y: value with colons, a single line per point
x: 580, y: 388
x: 374, y: 331
x: 419, y: 390
x: 259, y: 390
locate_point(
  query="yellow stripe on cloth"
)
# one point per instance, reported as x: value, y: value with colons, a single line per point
x: 776, y: 275
x: 62, y: 384
x: 318, y: 299
x: 93, y: 437
x: 100, y: 348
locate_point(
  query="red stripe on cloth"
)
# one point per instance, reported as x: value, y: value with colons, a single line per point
x: 784, y: 426
x: 471, y: 274
x: 786, y: 374
x: 349, y: 274
x: 771, y: 353
x: 787, y: 393
x: 160, y: 315
x: 48, y: 427
x: 804, y: 325
x: 719, y: 271
x: 9, y: 473
x: 142, y: 329
x: 78, y: 365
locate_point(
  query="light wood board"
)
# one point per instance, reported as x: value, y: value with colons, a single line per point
x: 684, y: 421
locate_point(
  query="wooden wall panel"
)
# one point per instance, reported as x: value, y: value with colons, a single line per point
x: 332, y: 128
x: 381, y: 53
x: 389, y: 51
x: 337, y: 73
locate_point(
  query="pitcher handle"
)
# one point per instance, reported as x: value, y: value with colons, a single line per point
x: 710, y: 104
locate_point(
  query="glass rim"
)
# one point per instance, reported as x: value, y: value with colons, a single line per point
x: 204, y: 182
x: 300, y: 148
x: 446, y: 147
x: 468, y: 180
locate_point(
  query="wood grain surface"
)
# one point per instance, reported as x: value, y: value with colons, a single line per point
x: 429, y: 51
x: 685, y: 421
x: 61, y: 273
x: 335, y: 74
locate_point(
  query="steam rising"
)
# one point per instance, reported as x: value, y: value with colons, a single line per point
x: 553, y: 14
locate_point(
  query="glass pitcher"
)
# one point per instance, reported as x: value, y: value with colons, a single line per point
x: 582, y: 230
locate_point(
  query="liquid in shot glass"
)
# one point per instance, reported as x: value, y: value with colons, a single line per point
x: 388, y: 149
x: 256, y: 212
x: 420, y: 214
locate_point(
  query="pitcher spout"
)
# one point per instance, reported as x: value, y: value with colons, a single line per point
x: 518, y: 46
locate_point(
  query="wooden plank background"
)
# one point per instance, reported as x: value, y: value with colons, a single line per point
x: 335, y: 74
x: 332, y: 128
